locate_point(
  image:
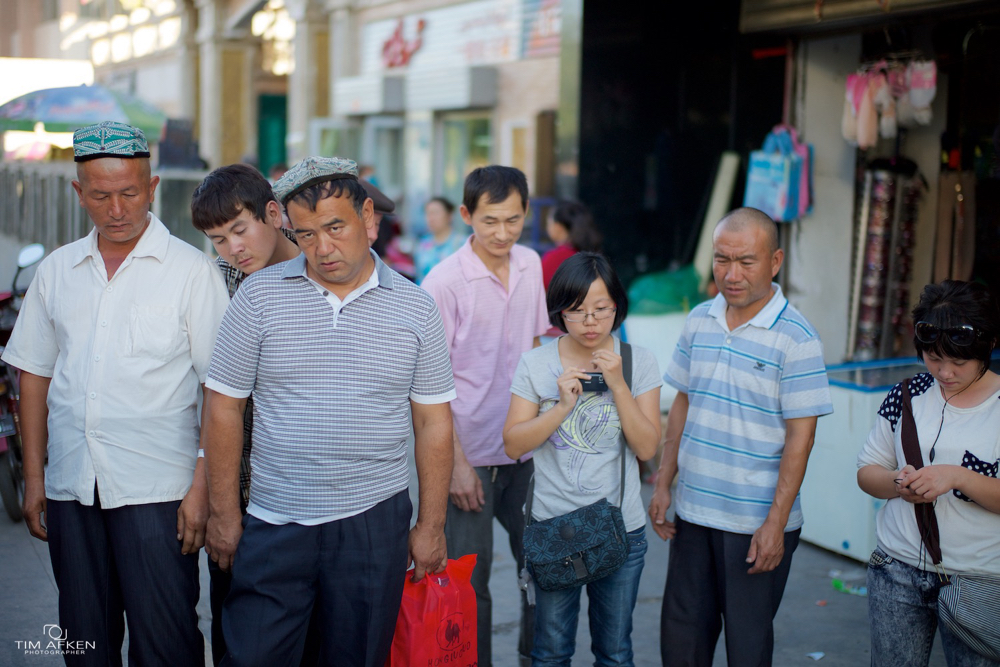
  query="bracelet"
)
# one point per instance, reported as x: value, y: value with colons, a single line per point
x: 201, y: 453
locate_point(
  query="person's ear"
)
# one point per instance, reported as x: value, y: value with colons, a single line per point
x: 272, y: 214
x: 776, y: 259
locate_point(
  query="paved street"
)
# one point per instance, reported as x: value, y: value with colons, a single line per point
x: 839, y: 629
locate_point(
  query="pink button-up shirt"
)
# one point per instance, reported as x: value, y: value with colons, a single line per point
x: 488, y: 329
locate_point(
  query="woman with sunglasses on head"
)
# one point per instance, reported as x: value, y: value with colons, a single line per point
x: 956, y: 412
x: 586, y: 438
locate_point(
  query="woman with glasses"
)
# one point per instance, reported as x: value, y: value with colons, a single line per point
x: 956, y: 411
x: 579, y: 428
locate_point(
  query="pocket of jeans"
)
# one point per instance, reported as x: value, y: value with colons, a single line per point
x: 879, y: 558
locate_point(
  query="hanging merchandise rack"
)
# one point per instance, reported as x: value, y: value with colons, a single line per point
x: 883, y: 259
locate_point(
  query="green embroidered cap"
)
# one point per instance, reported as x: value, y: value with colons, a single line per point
x: 310, y: 171
x: 109, y: 139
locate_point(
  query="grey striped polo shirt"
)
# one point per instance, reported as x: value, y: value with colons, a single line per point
x: 331, y: 390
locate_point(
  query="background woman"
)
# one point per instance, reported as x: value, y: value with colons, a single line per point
x: 571, y: 227
x: 957, y: 415
x: 576, y: 438
x: 441, y: 241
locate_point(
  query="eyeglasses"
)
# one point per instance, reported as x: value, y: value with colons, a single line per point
x: 599, y: 314
x: 964, y: 334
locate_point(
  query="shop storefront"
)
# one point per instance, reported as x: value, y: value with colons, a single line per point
x: 442, y: 88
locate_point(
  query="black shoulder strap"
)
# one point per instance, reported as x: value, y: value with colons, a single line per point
x: 626, y: 350
x: 926, y: 518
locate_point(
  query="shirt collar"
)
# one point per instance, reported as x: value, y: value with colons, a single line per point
x: 473, y: 267
x: 154, y: 242
x: 765, y: 319
x: 381, y: 276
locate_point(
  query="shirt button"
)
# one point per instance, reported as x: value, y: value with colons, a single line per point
x: 97, y: 357
x: 93, y: 394
x: 92, y: 434
x: 110, y: 288
x: 104, y: 323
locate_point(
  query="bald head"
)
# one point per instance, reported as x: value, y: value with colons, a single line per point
x: 750, y: 219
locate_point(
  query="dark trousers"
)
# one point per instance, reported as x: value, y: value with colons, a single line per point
x: 353, y: 569
x: 707, y: 583
x: 219, y: 585
x: 127, y: 561
x: 505, y: 488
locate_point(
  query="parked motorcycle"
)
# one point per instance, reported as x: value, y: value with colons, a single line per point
x: 11, y: 471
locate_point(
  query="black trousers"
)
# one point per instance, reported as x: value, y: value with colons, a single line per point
x: 352, y: 569
x: 708, y: 587
x: 124, y: 563
x: 219, y: 585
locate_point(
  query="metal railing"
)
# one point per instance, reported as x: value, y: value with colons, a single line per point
x: 38, y: 203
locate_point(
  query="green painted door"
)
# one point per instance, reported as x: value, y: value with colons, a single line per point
x: 272, y: 126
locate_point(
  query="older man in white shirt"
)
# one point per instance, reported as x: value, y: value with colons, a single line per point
x: 114, y: 340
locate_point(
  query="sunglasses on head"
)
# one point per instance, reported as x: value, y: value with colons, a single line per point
x: 963, y: 334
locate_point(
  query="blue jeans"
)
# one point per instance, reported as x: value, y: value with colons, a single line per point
x: 902, y: 611
x: 612, y: 600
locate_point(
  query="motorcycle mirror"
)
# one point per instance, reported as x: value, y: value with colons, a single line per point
x: 30, y: 254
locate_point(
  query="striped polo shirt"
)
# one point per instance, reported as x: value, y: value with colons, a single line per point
x: 742, y: 385
x: 332, y: 385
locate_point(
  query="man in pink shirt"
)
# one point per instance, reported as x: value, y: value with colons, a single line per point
x: 492, y: 301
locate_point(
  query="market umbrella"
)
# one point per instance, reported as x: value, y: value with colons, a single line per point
x: 68, y: 109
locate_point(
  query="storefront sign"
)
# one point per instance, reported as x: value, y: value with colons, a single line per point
x: 482, y: 32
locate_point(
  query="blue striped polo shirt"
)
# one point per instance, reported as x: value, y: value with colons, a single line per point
x: 331, y: 387
x: 742, y: 385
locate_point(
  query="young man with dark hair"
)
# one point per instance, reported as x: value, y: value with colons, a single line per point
x: 236, y: 209
x: 492, y: 302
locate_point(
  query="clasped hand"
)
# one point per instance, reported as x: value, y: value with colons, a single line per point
x: 924, y: 485
x: 605, y: 362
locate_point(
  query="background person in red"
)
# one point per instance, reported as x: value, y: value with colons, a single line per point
x: 571, y: 227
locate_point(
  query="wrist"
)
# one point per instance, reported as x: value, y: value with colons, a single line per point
x: 776, y: 521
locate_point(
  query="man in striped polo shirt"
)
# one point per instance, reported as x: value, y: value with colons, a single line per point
x: 338, y: 350
x: 751, y: 380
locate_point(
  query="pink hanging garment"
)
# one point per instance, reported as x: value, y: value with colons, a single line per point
x: 868, y: 115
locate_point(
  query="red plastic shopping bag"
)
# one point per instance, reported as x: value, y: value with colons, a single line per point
x: 437, y: 619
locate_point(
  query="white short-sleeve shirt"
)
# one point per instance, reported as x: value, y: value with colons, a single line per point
x: 125, y: 357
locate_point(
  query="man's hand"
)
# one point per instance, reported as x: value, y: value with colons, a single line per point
x: 192, y: 515
x: 658, y: 507
x: 33, y: 506
x: 767, y: 547
x: 466, y: 489
x: 221, y: 538
x: 428, y: 551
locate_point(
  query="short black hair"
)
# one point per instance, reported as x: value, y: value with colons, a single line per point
x: 578, y: 221
x: 496, y: 182
x: 228, y: 191
x: 335, y: 188
x: 952, y: 303
x: 445, y: 202
x: 572, y: 281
